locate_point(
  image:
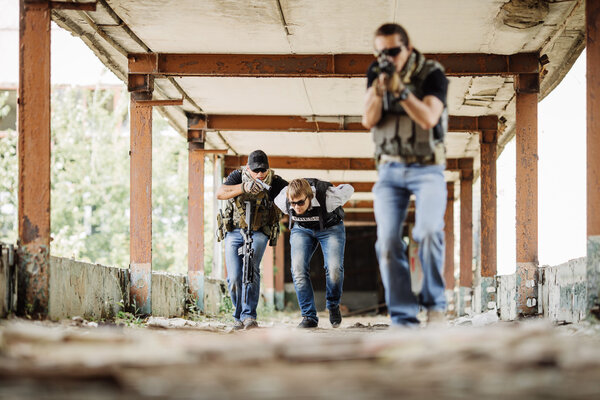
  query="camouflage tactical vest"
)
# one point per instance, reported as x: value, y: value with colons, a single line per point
x: 266, y: 215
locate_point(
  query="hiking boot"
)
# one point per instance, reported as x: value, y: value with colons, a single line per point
x: 237, y: 325
x: 335, y: 316
x: 250, y: 323
x: 436, y: 318
x: 308, y: 322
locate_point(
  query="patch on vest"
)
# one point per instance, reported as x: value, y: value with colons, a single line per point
x: 305, y: 219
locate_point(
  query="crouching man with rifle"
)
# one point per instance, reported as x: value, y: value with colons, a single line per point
x: 250, y: 220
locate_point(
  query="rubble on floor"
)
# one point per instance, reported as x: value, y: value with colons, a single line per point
x: 360, y: 360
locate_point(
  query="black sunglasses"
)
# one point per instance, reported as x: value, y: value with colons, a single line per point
x: 259, y: 170
x: 392, y: 51
x: 299, y: 202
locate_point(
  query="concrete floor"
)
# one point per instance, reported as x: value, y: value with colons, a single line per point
x: 360, y: 360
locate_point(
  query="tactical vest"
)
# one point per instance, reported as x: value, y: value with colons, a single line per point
x: 316, y: 217
x: 397, y: 134
x: 266, y: 214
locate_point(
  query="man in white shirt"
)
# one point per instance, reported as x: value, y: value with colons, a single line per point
x: 316, y: 217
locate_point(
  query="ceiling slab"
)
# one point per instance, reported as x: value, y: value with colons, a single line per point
x: 334, y: 28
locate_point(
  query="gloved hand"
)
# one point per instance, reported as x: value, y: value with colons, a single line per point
x: 251, y: 187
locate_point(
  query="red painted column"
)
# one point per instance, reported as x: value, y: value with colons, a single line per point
x: 34, y: 158
x: 279, y: 271
x: 268, y: 276
x: 488, y: 144
x: 449, y: 256
x: 527, y: 194
x: 196, y: 124
x: 140, y: 267
x: 466, y: 235
x: 449, y: 238
x: 593, y: 150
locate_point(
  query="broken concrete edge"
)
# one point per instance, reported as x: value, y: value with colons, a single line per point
x: 99, y: 293
x: 593, y: 279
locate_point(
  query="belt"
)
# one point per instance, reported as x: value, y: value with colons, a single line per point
x: 386, y: 158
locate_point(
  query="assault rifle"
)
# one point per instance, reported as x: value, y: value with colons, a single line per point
x: 246, y: 250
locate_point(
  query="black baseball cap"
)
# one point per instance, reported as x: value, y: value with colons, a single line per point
x: 257, y: 160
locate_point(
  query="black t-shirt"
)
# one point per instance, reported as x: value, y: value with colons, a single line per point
x: 436, y: 83
x: 278, y: 183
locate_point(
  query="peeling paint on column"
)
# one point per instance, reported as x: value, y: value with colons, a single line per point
x: 489, y: 294
x: 141, y: 287
x: 507, y: 293
x: 451, y: 302
x: 465, y: 297
x: 527, y: 281
x: 196, y: 285
x: 33, y: 280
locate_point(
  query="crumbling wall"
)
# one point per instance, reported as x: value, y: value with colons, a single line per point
x: 168, y: 294
x: 507, y: 297
x: 564, y: 291
x: 91, y: 291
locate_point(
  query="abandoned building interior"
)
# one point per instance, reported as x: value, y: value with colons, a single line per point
x: 288, y: 77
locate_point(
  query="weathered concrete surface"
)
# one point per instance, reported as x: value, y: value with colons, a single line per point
x: 507, y: 292
x: 168, y: 294
x: 279, y: 300
x: 4, y: 283
x: 451, y: 302
x: 593, y: 274
x: 527, y: 281
x: 465, y: 297
x: 87, y: 290
x: 358, y: 361
x: 489, y: 291
x: 564, y: 292
x: 216, y: 296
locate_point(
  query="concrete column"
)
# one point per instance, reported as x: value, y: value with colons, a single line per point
x: 279, y: 272
x: 488, y: 140
x: 196, y: 124
x: 527, y: 194
x: 140, y: 266
x: 593, y: 149
x: 466, y: 236
x: 449, y: 256
x: 34, y: 158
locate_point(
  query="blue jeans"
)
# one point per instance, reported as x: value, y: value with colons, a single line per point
x: 304, y: 243
x: 392, y: 191
x: 244, y: 297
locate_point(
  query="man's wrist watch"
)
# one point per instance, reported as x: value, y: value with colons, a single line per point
x: 403, y: 95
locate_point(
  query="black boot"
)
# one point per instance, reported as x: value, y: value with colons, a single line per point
x: 335, y: 316
x: 308, y: 322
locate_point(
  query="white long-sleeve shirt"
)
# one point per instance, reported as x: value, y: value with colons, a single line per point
x: 335, y: 197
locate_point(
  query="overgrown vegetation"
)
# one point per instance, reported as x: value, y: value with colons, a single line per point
x: 90, y: 182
